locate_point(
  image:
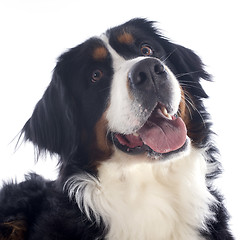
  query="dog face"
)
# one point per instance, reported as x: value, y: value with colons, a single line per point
x: 145, y: 96
x: 129, y: 90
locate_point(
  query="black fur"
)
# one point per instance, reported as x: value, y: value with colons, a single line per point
x: 63, y: 123
x: 47, y: 212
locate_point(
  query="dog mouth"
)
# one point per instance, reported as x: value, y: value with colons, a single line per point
x: 162, y: 133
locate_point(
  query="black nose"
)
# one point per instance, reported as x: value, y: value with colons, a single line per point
x: 147, y: 74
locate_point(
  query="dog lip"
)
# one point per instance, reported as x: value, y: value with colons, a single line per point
x: 160, y: 133
x: 144, y: 148
x: 165, y: 111
x: 163, y: 134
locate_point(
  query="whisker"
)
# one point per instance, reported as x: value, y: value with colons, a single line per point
x: 190, y: 85
x: 190, y: 112
x: 168, y: 56
x: 193, y: 106
x: 188, y: 73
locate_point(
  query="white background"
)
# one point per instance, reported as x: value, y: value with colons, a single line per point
x: 33, y: 33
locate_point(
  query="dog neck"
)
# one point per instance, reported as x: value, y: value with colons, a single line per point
x: 147, y: 199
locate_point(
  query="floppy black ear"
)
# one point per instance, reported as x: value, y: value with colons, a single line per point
x: 189, y: 70
x: 52, y: 126
x: 187, y: 67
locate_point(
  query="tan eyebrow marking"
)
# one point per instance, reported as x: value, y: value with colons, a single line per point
x: 100, y: 53
x: 125, y: 38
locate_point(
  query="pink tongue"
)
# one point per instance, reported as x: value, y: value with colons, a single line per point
x: 162, y: 134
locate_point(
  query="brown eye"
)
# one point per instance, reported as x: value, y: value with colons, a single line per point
x: 146, y: 50
x: 96, y: 75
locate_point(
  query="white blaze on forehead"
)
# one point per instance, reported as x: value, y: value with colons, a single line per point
x: 124, y: 113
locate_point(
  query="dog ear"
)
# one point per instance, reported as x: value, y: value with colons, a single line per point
x: 52, y: 126
x: 189, y: 70
x: 187, y: 67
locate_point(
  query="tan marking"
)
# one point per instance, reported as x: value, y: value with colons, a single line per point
x: 15, y: 230
x: 101, y: 134
x: 100, y: 53
x: 184, y: 112
x: 101, y: 148
x: 187, y: 112
x: 183, y: 107
x: 125, y: 38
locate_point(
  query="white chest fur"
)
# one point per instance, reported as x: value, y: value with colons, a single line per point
x: 145, y: 200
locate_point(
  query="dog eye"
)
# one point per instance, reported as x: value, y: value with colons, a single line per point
x: 146, y: 50
x: 96, y: 75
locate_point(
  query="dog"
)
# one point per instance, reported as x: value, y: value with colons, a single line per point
x: 124, y: 114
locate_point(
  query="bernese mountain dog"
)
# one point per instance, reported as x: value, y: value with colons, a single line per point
x: 124, y: 114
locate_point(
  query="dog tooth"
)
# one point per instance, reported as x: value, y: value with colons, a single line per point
x: 169, y: 116
x: 165, y: 113
x: 164, y: 110
x: 136, y: 134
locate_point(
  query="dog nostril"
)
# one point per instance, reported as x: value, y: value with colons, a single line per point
x: 141, y: 77
x: 159, y: 68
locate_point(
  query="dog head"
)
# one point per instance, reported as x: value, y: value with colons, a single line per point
x: 130, y: 90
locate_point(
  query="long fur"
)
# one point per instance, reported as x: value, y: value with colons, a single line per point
x: 173, y: 194
x: 103, y: 191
